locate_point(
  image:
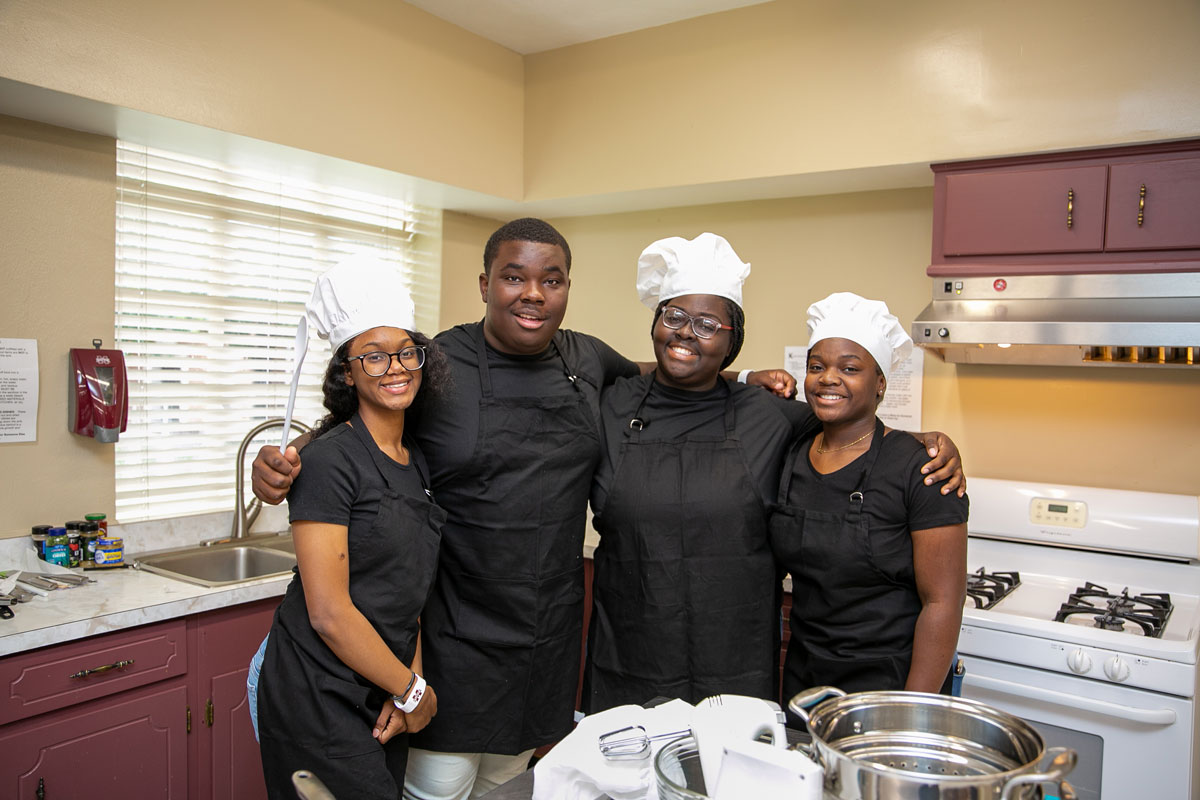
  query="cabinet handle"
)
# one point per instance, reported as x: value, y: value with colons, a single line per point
x: 83, y: 673
x: 1141, y: 205
x: 189, y: 719
x: 208, y: 713
x: 40, y: 794
x: 1070, y: 207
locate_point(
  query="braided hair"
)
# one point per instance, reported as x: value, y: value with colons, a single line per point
x: 737, y: 319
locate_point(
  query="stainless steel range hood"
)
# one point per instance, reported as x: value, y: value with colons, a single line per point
x: 1100, y: 320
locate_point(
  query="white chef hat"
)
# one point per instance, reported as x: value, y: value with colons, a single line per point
x: 359, y: 293
x: 845, y: 315
x: 676, y: 266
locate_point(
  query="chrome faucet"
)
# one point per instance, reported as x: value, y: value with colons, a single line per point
x: 244, y: 516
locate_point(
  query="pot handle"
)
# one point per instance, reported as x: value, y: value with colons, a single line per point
x: 810, y: 697
x: 1061, y: 764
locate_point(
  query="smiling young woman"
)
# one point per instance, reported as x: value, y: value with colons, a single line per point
x: 877, y: 557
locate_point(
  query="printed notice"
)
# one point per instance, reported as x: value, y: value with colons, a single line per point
x: 901, y: 408
x: 18, y: 390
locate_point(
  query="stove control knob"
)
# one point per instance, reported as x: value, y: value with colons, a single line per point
x: 1079, y: 661
x: 1116, y: 669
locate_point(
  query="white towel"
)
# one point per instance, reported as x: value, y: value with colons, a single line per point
x: 575, y: 769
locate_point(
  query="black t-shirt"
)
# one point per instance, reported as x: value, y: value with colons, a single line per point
x: 340, y: 483
x: 447, y: 427
x: 764, y: 424
x: 901, y: 501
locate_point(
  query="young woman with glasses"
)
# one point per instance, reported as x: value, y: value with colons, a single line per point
x: 340, y: 681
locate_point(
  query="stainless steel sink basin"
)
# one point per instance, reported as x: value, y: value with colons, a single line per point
x: 220, y: 566
x: 281, y: 543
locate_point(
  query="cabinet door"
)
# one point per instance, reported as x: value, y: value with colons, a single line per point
x: 229, y: 767
x: 1169, y: 210
x: 117, y: 748
x: 1025, y: 211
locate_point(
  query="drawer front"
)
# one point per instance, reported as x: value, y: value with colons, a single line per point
x: 56, y: 677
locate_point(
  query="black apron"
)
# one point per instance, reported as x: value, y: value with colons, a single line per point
x: 843, y: 593
x: 315, y: 712
x: 686, y: 596
x: 503, y: 626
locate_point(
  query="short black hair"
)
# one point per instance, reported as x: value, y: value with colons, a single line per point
x: 737, y: 318
x: 526, y: 229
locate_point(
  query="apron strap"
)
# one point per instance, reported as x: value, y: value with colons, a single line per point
x: 634, y: 429
x: 857, y: 496
x: 485, y: 376
x: 416, y: 458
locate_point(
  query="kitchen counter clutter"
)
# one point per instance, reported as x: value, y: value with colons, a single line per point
x: 147, y: 670
x: 116, y: 600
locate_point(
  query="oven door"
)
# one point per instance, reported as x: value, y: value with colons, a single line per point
x: 1131, y: 742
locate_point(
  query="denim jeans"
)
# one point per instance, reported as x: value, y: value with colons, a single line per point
x: 252, y: 683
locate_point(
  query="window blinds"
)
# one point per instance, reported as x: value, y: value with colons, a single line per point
x: 213, y: 267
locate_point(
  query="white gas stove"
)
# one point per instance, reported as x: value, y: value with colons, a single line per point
x: 1083, y: 616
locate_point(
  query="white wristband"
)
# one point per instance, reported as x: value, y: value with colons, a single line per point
x: 414, y: 696
x: 743, y: 375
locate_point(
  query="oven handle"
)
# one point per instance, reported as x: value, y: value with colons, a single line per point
x: 1155, y: 716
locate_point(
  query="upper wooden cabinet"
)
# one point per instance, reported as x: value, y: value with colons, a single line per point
x: 1129, y: 209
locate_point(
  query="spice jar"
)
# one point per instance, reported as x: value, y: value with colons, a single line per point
x: 99, y: 519
x: 73, y: 543
x: 39, y: 533
x: 57, y: 549
x: 89, y: 535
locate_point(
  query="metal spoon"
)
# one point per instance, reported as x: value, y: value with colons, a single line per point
x: 301, y: 347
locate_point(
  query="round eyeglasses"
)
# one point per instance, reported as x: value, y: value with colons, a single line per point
x: 704, y: 327
x: 376, y: 363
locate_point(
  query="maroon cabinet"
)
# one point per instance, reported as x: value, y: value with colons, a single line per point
x: 157, y: 711
x: 1028, y: 211
x: 228, y: 763
x: 1128, y: 209
x: 133, y: 744
x: 1154, y: 205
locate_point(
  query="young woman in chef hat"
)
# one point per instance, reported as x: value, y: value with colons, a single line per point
x: 340, y: 681
x: 686, y: 593
x: 877, y: 557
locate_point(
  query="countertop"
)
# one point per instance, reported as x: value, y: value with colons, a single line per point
x: 120, y: 598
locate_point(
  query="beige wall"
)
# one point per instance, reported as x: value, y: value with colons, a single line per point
x: 377, y: 82
x: 57, y: 223
x: 1122, y: 428
x: 796, y: 87
x: 463, y: 238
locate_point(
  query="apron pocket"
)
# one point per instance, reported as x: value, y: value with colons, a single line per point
x: 495, y: 610
x: 345, y: 718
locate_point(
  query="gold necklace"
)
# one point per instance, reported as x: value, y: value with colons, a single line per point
x: 843, y: 447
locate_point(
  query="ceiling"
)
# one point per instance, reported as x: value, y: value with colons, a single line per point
x: 531, y: 26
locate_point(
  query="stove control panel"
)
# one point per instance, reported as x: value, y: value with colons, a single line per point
x: 1062, y: 513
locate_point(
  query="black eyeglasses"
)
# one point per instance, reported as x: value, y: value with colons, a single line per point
x: 376, y: 363
x: 704, y: 327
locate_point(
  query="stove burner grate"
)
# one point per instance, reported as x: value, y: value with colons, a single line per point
x: 988, y: 588
x: 1149, y: 611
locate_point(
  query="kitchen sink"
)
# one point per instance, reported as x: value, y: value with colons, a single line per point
x: 223, y: 565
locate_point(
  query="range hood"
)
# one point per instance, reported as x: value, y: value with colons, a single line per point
x: 1149, y: 320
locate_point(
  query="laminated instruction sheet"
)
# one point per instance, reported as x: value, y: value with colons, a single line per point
x: 18, y: 390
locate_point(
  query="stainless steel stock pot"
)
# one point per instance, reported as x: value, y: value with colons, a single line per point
x: 916, y: 746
